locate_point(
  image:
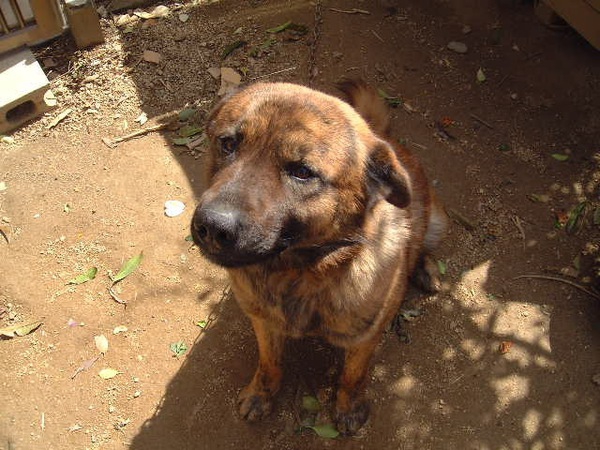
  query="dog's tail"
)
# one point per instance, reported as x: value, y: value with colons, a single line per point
x: 368, y: 103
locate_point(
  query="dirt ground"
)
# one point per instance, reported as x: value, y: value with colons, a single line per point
x: 494, y: 362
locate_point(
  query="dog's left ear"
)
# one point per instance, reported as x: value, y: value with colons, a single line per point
x: 389, y: 178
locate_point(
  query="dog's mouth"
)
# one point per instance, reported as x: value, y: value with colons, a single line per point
x: 236, y: 250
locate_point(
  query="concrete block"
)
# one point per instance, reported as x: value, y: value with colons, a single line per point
x: 24, y: 91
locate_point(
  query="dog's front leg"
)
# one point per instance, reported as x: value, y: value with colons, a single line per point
x: 352, y: 410
x: 255, y: 399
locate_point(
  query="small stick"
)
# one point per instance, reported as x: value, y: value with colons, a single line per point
x: 351, y: 11
x: 460, y: 219
x: 560, y: 280
x: 115, y: 297
x: 377, y: 36
x: 121, y: 100
x: 517, y: 221
x: 480, y: 120
x: 4, y: 236
x: 417, y: 145
x: 273, y: 73
x: 504, y: 78
x: 85, y: 366
x: 112, y: 143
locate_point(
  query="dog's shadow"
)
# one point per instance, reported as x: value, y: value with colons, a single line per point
x: 199, y: 407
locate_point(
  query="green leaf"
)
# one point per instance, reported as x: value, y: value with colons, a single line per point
x: 189, y: 130
x: 262, y: 47
x: 383, y: 94
x: 129, y: 267
x: 182, y: 141
x: 326, y: 431
x: 231, y: 47
x: 178, y: 348
x: 596, y: 219
x: 189, y: 238
x: 202, y: 323
x: 480, y: 75
x: 20, y: 329
x: 280, y: 28
x: 84, y: 277
x: 185, y: 114
x: 504, y: 147
x: 560, y: 156
x: 310, y: 403
x: 392, y: 101
x: 442, y: 267
x: 576, y: 218
x: 538, y: 198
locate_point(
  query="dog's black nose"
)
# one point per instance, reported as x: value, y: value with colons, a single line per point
x: 216, y: 226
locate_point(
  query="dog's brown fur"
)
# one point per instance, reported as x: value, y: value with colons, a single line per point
x: 320, y: 222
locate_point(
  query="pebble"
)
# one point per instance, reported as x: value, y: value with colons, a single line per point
x: 184, y: 17
x: 152, y: 57
x: 215, y: 72
x: 174, y: 208
x: 458, y: 47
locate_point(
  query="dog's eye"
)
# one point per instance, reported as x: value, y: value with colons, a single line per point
x: 300, y: 172
x: 229, y: 144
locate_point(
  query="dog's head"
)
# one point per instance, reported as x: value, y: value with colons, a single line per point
x: 291, y: 170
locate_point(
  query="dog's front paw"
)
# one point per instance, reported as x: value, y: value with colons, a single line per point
x: 254, y: 405
x: 350, y: 421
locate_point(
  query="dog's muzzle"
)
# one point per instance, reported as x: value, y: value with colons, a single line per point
x: 227, y: 237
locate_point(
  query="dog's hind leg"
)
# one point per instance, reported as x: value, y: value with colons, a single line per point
x: 255, y: 400
x: 426, y: 274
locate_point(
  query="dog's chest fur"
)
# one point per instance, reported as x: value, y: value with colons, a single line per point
x: 342, y: 299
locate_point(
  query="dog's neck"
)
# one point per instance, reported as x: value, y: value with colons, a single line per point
x: 317, y: 258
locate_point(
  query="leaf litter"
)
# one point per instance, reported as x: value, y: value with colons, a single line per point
x: 20, y: 330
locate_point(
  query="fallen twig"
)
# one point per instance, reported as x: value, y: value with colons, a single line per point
x: 480, y: 120
x: 115, y: 297
x: 517, y: 221
x: 377, y: 36
x: 561, y: 280
x: 272, y: 73
x: 460, y: 219
x: 351, y: 11
x: 4, y: 235
x: 85, y: 366
x: 59, y: 118
x: 112, y: 143
x: 417, y: 145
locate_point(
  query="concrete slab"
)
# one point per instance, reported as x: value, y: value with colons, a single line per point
x: 24, y: 85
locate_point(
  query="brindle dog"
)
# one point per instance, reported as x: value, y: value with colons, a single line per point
x: 320, y: 221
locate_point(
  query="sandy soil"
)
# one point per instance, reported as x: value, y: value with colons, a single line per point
x: 494, y: 362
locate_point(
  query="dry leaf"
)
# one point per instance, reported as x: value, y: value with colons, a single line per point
x: 101, y: 343
x: 19, y: 330
x: 505, y: 347
x: 108, y: 373
x: 59, y: 118
x: 120, y: 329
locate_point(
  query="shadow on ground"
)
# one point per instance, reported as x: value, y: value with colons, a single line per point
x: 494, y: 363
